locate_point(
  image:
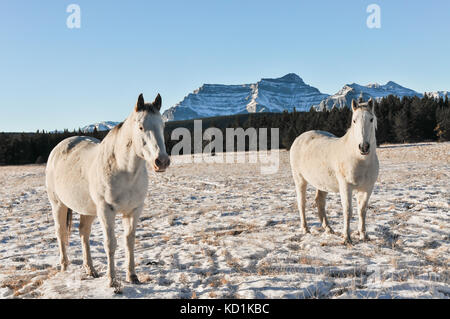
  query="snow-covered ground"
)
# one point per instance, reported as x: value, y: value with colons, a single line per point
x: 225, y: 230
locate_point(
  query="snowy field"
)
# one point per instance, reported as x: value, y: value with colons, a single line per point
x: 226, y: 231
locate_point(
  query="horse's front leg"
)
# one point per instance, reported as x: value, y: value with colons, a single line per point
x: 362, y: 198
x: 129, y: 228
x: 107, y: 216
x: 345, y: 191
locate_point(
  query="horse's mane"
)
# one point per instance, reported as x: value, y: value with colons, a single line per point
x: 115, y: 129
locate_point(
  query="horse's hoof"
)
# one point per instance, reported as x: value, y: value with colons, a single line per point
x: 305, y: 230
x: 329, y: 230
x: 133, y: 279
x: 91, y: 272
x: 116, y: 286
x: 363, y: 236
x: 114, y: 283
x: 347, y: 241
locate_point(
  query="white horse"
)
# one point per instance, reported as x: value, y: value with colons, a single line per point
x: 104, y: 178
x: 341, y: 165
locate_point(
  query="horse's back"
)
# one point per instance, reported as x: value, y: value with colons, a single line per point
x: 311, y: 141
x: 67, y: 172
x: 70, y: 149
x: 315, y: 135
x: 311, y: 156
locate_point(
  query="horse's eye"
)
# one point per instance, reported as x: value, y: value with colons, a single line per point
x: 141, y: 128
x: 371, y: 120
x: 354, y: 121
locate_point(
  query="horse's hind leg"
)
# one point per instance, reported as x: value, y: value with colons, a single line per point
x: 60, y: 217
x: 321, y: 198
x: 85, y: 231
x: 300, y: 188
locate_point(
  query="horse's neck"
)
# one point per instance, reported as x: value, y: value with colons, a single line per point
x: 117, y: 145
x: 347, y: 139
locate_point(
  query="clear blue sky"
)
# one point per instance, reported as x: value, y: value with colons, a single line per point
x: 52, y: 77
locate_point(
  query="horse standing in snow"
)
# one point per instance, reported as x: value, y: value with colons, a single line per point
x: 343, y: 165
x: 104, y: 178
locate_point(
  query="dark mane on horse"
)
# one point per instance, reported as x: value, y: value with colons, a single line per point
x: 115, y: 129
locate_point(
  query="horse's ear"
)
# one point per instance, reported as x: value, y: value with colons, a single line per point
x: 140, y: 103
x: 371, y: 104
x: 354, y: 105
x: 157, y: 102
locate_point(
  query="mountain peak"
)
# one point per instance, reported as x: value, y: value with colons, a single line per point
x: 101, y: 126
x: 354, y: 91
x: 267, y: 95
x: 291, y: 77
x: 392, y: 84
x: 288, y: 78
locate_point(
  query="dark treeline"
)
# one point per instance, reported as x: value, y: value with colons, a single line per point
x: 33, y: 148
x: 399, y: 121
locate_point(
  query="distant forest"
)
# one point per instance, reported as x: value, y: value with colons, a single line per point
x: 399, y: 120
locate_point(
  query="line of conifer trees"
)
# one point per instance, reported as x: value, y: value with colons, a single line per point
x: 410, y: 119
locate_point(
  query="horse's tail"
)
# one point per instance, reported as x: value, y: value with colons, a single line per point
x: 68, y: 224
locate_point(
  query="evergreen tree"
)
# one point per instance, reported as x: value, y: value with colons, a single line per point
x: 95, y: 133
x: 442, y: 128
x: 401, y: 126
x: 289, y: 138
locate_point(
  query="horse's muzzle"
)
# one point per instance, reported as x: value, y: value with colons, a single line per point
x: 364, y: 148
x: 161, y: 163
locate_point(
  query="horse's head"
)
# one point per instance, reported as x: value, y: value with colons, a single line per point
x: 364, y: 124
x: 148, y: 133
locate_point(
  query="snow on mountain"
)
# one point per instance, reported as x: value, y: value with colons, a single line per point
x: 354, y: 91
x: 102, y: 126
x: 267, y: 95
x: 438, y: 94
x: 271, y: 95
